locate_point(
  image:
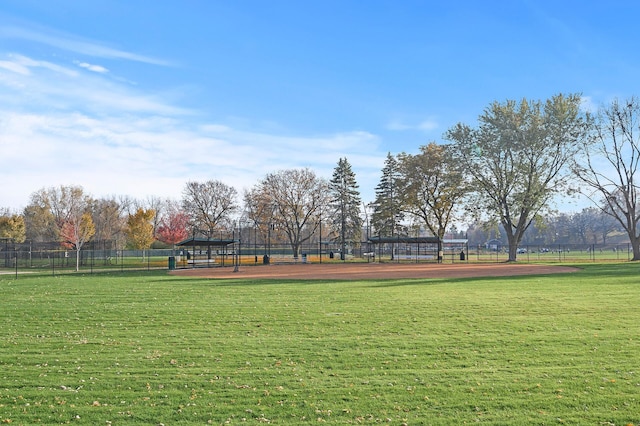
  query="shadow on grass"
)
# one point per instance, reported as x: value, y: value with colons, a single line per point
x: 603, y: 270
x: 609, y: 273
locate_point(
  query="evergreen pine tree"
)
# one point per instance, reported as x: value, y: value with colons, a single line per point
x: 387, y: 212
x: 345, y: 204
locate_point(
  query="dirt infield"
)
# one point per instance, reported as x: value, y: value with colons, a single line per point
x: 358, y: 271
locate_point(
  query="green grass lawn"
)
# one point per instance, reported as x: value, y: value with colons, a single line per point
x: 150, y: 348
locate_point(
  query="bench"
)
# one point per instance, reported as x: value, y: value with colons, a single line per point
x: 201, y: 261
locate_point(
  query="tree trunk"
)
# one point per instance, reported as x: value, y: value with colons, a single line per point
x: 513, y: 253
x: 77, y: 260
x: 635, y: 246
x: 513, y: 247
x: 343, y: 242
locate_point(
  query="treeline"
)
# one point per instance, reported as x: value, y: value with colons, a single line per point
x: 500, y: 175
x: 590, y: 226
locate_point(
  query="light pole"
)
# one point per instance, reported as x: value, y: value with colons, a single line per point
x: 269, y: 240
x: 238, y: 248
x: 238, y: 252
x: 255, y: 241
x: 320, y: 239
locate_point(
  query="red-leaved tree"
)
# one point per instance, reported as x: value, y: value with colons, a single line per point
x: 75, y: 232
x: 173, y: 228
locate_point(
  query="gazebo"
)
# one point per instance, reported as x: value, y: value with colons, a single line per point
x: 408, y: 248
x: 200, y: 251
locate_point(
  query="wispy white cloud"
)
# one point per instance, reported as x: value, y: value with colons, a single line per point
x: 43, y: 84
x: 15, y: 67
x: 22, y: 65
x: 95, y: 68
x: 74, y: 44
x: 70, y: 127
x: 156, y: 156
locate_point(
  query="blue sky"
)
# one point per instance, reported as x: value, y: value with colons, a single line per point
x: 130, y: 97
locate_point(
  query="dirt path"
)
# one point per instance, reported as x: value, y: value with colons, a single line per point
x: 358, y: 271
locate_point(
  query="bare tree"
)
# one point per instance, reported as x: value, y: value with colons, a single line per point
x: 67, y: 209
x: 610, y: 165
x: 209, y: 205
x: 39, y: 220
x: 158, y: 205
x: 259, y: 209
x: 110, y: 219
x: 291, y: 201
x: 592, y: 225
x: 605, y: 225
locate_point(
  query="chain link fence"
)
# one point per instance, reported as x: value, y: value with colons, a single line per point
x: 103, y: 256
x: 574, y: 253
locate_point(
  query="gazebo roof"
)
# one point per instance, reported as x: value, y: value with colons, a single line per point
x: 207, y: 242
x: 405, y: 240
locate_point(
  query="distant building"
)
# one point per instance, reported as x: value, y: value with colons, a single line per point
x: 493, y: 244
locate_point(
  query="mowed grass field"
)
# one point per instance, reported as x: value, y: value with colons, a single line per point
x: 149, y: 348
